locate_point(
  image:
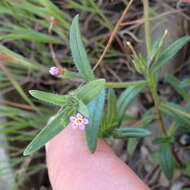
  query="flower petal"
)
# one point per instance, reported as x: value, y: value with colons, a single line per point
x: 79, y: 116
x: 72, y: 119
x: 74, y: 126
x: 53, y: 70
x: 81, y: 126
x: 85, y: 121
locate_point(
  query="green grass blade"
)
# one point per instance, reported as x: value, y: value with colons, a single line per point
x: 17, y: 85
x: 55, y: 12
x: 21, y: 61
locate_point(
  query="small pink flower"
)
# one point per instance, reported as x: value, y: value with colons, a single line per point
x: 78, y: 122
x: 53, y: 70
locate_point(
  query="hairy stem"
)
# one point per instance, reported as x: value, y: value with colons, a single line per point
x: 147, y: 26
x: 152, y: 86
x: 125, y: 84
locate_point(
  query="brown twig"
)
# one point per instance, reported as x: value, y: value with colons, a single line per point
x: 133, y: 22
x: 151, y: 173
x: 24, y: 106
x: 52, y: 22
x: 113, y: 34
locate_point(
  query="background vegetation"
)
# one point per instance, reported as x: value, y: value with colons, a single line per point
x: 35, y: 36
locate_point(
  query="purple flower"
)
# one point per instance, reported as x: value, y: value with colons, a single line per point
x: 53, y: 70
x: 78, y: 122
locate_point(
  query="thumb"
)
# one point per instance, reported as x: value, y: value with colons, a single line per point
x: 72, y: 167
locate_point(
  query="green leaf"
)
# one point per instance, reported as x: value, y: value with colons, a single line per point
x: 50, y: 97
x: 95, y: 115
x: 89, y: 91
x: 130, y: 132
x: 83, y: 109
x: 172, y: 110
x: 176, y: 84
x: 176, y: 109
x: 78, y: 51
x: 56, y: 125
x: 112, y: 107
x: 162, y: 140
x: 169, y: 53
x: 131, y: 145
x: 126, y: 99
x: 166, y: 160
x: 156, y: 49
x: 140, y: 64
x: 185, y: 83
x: 132, y: 142
x: 186, y: 168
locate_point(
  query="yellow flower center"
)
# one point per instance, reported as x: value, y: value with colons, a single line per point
x: 79, y: 121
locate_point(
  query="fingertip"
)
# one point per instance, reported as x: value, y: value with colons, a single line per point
x: 71, y: 166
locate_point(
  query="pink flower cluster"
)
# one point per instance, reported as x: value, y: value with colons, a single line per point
x: 78, y: 122
x: 53, y: 70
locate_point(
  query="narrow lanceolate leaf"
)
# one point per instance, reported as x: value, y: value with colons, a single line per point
x: 176, y: 109
x: 95, y: 115
x: 185, y: 83
x: 180, y: 119
x: 50, y: 97
x: 166, y: 160
x: 169, y: 53
x: 83, y: 109
x: 130, y: 132
x: 156, y: 46
x: 132, y: 142
x: 131, y: 145
x: 89, y: 91
x: 176, y: 84
x: 126, y: 99
x: 162, y: 140
x: 78, y: 51
x: 112, y: 107
x: 56, y: 125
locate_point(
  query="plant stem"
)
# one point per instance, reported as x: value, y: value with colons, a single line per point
x: 152, y: 86
x: 125, y: 84
x: 152, y: 82
x: 147, y: 26
x: 177, y: 157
